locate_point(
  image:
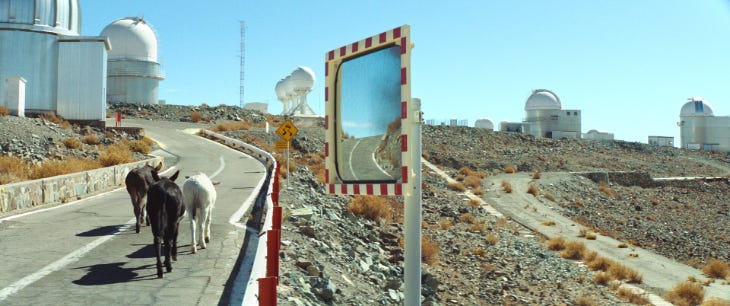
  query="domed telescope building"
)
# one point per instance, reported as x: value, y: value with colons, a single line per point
x: 45, y: 66
x: 133, y: 71
x: 700, y: 129
x: 544, y: 117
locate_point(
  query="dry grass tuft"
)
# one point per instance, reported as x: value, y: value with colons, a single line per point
x: 456, y: 186
x: 492, y: 239
x: 622, y: 272
x: 478, y: 227
x: 478, y: 191
x: 139, y: 146
x: 371, y: 207
x: 510, y: 169
x: 115, y: 154
x: 602, y: 278
x: 4, y: 111
x: 467, y: 218
x: 445, y: 224
x: 608, y: 191
x: 715, y: 302
x: 472, y: 181
x: 633, y: 297
x: 475, y: 203
x: 589, y: 256
x: 232, y: 126
x: 72, y: 143
x: 196, y: 116
x: 573, y: 250
x: 533, y: 191
x: 429, y: 251
x: 556, y: 244
x: 591, y: 236
x: 12, y: 169
x: 59, y: 167
x: 622, y: 245
x: 716, y: 269
x: 57, y: 120
x: 548, y: 196
x: 549, y: 223
x: 584, y: 301
x: 91, y: 139
x: 600, y: 264
x: 686, y: 294
x: 507, y: 186
x: 536, y: 175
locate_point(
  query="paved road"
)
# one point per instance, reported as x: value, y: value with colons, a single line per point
x: 360, y: 161
x: 86, y: 252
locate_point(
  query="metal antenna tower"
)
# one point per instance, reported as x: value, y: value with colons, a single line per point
x: 243, y: 60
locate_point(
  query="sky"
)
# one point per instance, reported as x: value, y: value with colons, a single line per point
x: 628, y: 65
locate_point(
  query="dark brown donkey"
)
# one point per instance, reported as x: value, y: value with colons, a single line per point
x: 165, y: 209
x: 138, y: 183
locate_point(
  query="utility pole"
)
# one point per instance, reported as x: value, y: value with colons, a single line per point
x: 243, y: 60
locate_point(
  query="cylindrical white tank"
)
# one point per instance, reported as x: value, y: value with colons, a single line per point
x: 29, y: 33
x: 133, y: 73
x: 484, y: 123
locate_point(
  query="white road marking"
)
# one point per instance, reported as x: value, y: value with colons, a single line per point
x: 349, y: 161
x: 59, y: 264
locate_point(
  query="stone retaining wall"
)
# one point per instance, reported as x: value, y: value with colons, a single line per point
x: 64, y: 188
x: 641, y: 179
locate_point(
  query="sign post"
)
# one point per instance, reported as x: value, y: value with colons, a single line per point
x: 286, y: 131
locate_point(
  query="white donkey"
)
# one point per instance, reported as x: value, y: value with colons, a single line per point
x: 199, y: 198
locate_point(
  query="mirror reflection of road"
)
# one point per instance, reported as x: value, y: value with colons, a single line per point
x: 85, y: 253
x: 359, y: 159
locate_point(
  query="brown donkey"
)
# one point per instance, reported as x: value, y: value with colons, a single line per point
x: 138, y: 182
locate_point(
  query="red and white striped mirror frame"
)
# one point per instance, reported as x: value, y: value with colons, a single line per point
x: 399, y: 36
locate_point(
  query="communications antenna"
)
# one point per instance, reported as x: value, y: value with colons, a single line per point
x: 242, y: 57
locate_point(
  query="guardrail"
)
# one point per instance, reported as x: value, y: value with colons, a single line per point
x: 261, y: 285
x: 63, y: 188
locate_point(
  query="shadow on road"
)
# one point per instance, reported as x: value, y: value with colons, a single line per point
x: 102, y: 231
x: 112, y: 273
x: 148, y: 251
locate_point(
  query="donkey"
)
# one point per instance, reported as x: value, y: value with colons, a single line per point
x: 138, y: 182
x: 199, y: 197
x: 165, y: 210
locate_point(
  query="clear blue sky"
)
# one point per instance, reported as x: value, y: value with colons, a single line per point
x: 628, y: 65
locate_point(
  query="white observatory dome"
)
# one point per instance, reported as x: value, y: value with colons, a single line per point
x: 542, y: 99
x: 288, y: 86
x: 280, y: 90
x: 302, y: 79
x: 131, y: 38
x: 484, y: 123
x: 696, y: 107
x: 52, y: 16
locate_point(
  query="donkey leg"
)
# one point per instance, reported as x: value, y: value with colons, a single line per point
x: 168, y: 265
x: 157, y: 254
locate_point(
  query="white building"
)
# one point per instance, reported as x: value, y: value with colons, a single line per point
x: 700, y: 129
x: 545, y: 117
x: 661, y: 141
x: 63, y: 73
x: 133, y: 70
x: 598, y: 135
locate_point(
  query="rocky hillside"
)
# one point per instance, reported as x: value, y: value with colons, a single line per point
x: 332, y: 256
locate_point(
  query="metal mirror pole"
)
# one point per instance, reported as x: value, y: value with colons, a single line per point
x: 412, y: 202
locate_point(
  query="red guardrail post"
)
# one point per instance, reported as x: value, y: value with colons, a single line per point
x: 275, y: 192
x: 276, y: 218
x: 118, y: 120
x: 267, y: 291
x: 272, y: 253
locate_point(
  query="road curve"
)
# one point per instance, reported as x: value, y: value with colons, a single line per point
x: 86, y: 253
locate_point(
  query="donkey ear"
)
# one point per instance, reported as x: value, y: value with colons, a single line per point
x: 174, y: 176
x: 159, y: 166
x: 155, y: 176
